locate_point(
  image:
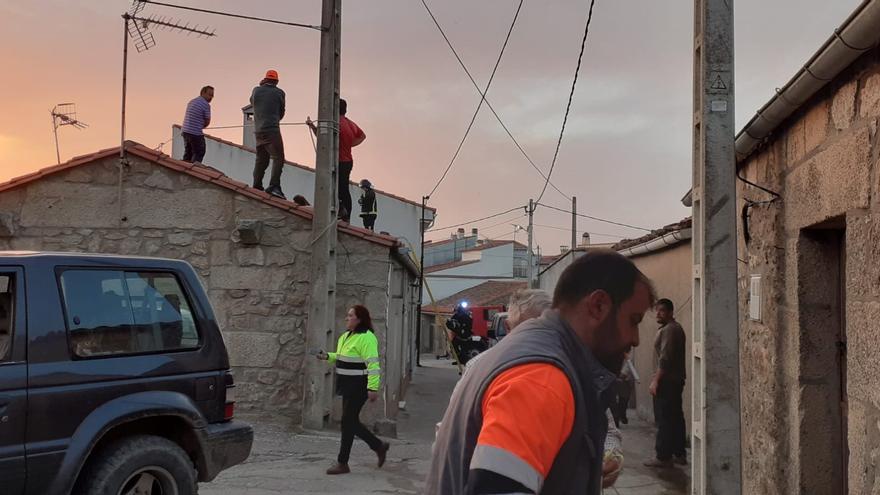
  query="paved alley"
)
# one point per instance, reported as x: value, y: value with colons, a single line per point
x: 286, y: 463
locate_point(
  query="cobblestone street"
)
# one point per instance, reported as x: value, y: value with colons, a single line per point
x: 287, y: 463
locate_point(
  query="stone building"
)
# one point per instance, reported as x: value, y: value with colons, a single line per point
x: 250, y: 249
x: 809, y: 272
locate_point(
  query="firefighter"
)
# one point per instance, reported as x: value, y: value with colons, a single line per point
x: 461, y: 326
x: 357, y: 379
x: 369, y: 205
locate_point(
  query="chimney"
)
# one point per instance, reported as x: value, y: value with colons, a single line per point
x: 564, y: 249
x: 473, y: 232
x: 461, y: 233
x: 248, y: 139
x: 585, y: 239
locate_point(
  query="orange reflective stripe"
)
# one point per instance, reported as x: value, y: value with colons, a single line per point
x: 528, y: 411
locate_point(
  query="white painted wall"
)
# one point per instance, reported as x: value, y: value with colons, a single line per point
x: 397, y: 217
x: 492, y: 264
x: 547, y: 280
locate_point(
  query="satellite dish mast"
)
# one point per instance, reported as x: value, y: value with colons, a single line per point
x: 137, y: 28
x: 64, y: 114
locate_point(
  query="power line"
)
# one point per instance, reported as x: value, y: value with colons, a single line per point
x: 488, y: 104
x: 476, y: 220
x: 594, y: 218
x: 482, y: 93
x: 238, y: 16
x: 570, y: 98
x: 568, y: 229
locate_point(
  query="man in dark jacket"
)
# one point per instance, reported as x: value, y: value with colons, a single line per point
x: 268, y: 101
x: 369, y: 206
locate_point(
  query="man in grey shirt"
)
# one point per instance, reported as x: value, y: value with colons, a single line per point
x: 268, y: 101
x: 667, y: 387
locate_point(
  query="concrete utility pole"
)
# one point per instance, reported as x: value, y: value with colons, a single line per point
x: 531, y: 272
x: 421, y: 286
x: 574, y: 222
x: 322, y: 304
x: 716, y: 466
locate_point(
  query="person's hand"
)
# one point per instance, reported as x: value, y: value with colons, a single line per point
x: 322, y: 356
x: 611, y: 471
x: 653, y: 387
x: 373, y: 395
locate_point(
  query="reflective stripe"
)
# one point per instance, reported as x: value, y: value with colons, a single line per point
x: 373, y: 372
x: 372, y: 360
x: 343, y: 371
x: 349, y: 359
x: 506, y: 464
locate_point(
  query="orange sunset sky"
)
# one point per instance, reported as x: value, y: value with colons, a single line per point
x: 626, y: 153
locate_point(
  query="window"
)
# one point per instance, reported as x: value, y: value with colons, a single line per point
x: 520, y: 268
x: 117, y: 312
x: 7, y: 318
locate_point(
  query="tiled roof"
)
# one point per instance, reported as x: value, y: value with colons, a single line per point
x: 546, y: 260
x: 494, y: 244
x: 489, y: 293
x: 204, y: 173
x: 628, y: 243
x: 447, y: 266
x: 310, y: 169
x: 441, y: 242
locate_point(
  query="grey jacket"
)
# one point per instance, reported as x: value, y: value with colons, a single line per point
x: 269, y: 102
x: 578, y: 465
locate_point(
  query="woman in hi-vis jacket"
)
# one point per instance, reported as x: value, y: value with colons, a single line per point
x: 357, y: 379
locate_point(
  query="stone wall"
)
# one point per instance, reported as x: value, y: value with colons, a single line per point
x: 824, y: 164
x: 259, y: 291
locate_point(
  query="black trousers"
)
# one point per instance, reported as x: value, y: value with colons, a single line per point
x: 620, y: 402
x: 669, y: 416
x: 369, y: 221
x: 352, y: 426
x: 193, y: 147
x: 344, y: 173
x: 269, y: 144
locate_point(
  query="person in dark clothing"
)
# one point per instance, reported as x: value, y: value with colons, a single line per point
x: 268, y: 101
x: 667, y: 387
x: 623, y: 388
x: 369, y: 205
x: 357, y: 380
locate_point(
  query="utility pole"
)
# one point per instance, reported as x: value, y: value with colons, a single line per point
x: 531, y: 272
x: 574, y: 222
x: 322, y: 304
x: 716, y: 466
x: 421, y: 288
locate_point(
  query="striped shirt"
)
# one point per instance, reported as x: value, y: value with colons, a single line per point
x: 198, y: 111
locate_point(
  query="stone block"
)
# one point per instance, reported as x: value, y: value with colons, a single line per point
x: 863, y: 251
x: 815, y: 126
x: 252, y: 349
x: 870, y: 97
x: 281, y: 256
x: 249, y: 278
x: 221, y: 253
x: 180, y: 238
x: 130, y: 246
x: 249, y: 232
x: 152, y: 246
x: 250, y: 256
x: 843, y: 106
x: 160, y: 180
x: 795, y: 144
x: 26, y: 244
x: 62, y: 204
x: 834, y: 181
x: 196, y: 209
x: 12, y: 200
x: 863, y: 425
x: 78, y: 175
x: 863, y: 346
x: 7, y: 225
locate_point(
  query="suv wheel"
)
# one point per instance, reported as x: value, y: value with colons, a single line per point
x: 141, y: 465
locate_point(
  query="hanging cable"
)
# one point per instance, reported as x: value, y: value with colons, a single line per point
x: 594, y: 218
x: 568, y: 229
x: 570, y: 98
x: 489, y: 105
x: 482, y: 93
x: 476, y: 220
x: 237, y: 16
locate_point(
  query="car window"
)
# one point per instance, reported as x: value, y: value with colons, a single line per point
x: 118, y: 312
x: 7, y: 317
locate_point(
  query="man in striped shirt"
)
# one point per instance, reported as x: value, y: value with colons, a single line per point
x: 197, y: 117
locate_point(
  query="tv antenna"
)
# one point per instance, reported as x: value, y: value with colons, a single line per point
x: 137, y: 28
x: 64, y: 114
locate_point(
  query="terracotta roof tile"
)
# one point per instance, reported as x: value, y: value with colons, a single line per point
x: 628, y: 243
x: 491, y: 293
x: 447, y: 266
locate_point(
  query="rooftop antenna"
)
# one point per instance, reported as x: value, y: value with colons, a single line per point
x: 137, y: 28
x: 64, y: 114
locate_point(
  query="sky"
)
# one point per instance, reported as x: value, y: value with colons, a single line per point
x: 626, y: 153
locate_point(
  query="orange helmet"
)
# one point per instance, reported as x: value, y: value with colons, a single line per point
x: 271, y: 74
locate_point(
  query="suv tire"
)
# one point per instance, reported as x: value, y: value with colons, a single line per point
x: 149, y: 461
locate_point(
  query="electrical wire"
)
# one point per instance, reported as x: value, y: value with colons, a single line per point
x: 568, y: 229
x: 570, y: 98
x: 238, y: 16
x: 594, y: 218
x: 482, y: 93
x: 476, y: 220
x: 489, y: 105
x: 239, y: 126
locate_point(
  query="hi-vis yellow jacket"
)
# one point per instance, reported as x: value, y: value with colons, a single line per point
x: 356, y: 356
